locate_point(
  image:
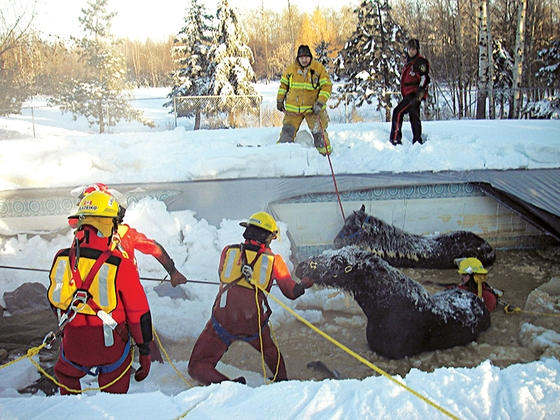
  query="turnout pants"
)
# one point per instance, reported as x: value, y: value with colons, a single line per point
x: 70, y: 376
x: 209, y: 349
x: 409, y: 105
x: 292, y: 122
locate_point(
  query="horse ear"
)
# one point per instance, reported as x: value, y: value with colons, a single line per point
x: 363, y: 208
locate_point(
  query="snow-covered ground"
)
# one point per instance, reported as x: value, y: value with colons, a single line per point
x: 65, y: 154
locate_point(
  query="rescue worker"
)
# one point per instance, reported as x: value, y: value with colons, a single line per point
x: 414, y: 88
x: 236, y: 315
x: 98, y: 291
x: 130, y: 239
x: 305, y: 88
x: 473, y: 279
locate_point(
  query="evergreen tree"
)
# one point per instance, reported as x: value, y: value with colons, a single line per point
x: 231, y: 66
x: 550, y: 72
x: 503, y: 74
x: 191, y: 53
x: 371, y: 59
x: 101, y: 93
x: 323, y: 52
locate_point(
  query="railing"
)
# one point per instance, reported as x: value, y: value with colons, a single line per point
x: 215, y: 112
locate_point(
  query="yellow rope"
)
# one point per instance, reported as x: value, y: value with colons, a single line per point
x: 509, y: 310
x: 169, y: 360
x: 266, y: 381
x: 360, y: 358
x: 35, y: 350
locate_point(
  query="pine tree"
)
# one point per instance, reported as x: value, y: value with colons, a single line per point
x: 371, y: 59
x: 502, y: 74
x: 191, y: 53
x: 231, y: 66
x: 101, y: 93
x: 323, y: 53
x: 550, y: 72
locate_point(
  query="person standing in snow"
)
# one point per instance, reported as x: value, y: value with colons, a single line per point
x: 305, y: 88
x: 241, y: 311
x: 414, y: 89
x: 473, y: 279
x: 97, y: 290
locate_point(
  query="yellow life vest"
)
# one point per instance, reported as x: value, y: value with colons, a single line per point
x: 103, y: 288
x: 233, y: 264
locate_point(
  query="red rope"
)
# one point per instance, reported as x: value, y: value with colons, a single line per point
x: 332, y: 170
x: 328, y: 156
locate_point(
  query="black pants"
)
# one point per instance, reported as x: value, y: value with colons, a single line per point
x: 409, y: 105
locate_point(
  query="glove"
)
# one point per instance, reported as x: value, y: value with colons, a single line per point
x: 280, y: 105
x: 144, y: 369
x: 419, y: 95
x: 307, y: 282
x: 177, y: 278
x: 318, y: 107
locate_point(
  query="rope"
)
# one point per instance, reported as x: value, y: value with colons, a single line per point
x: 35, y: 350
x: 169, y: 360
x: 10, y: 267
x: 509, y: 310
x: 332, y: 170
x: 266, y: 381
x: 358, y: 357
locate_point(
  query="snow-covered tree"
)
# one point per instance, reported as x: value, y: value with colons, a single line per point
x: 191, y: 54
x: 323, y: 52
x: 550, y: 56
x: 371, y: 59
x: 231, y: 67
x: 502, y: 75
x: 101, y: 93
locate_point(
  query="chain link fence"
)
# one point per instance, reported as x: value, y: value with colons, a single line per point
x: 219, y: 112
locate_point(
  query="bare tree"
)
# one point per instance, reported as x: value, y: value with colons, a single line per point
x: 519, y: 58
x: 15, y: 30
x: 483, y: 64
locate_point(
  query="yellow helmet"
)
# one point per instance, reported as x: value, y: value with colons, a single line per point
x: 98, y: 204
x: 470, y: 266
x: 263, y: 220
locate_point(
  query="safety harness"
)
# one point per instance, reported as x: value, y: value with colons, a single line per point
x: 80, y: 301
x: 245, y: 277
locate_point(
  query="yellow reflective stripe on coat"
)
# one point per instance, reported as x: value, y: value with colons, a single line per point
x: 231, y: 269
x: 63, y: 286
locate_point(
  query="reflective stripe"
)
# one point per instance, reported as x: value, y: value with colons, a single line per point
x: 59, y: 278
x: 230, y: 262
x: 223, y: 299
x: 103, y: 281
x: 263, y: 275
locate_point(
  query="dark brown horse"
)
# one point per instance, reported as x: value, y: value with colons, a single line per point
x: 402, y: 249
x: 403, y: 319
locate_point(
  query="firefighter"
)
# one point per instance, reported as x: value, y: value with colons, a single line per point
x: 241, y: 311
x: 414, y: 89
x: 473, y: 279
x: 130, y: 239
x: 96, y: 292
x: 305, y: 88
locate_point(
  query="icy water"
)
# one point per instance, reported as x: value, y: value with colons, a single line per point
x: 515, y: 272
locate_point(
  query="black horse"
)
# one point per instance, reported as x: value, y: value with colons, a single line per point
x: 403, y: 319
x: 402, y: 249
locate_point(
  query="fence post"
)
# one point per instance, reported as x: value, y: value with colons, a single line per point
x: 175, y: 110
x: 33, y: 122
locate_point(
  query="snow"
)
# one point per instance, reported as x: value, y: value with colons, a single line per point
x: 66, y: 154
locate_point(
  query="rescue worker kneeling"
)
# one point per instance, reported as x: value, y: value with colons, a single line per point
x: 99, y: 292
x: 241, y: 311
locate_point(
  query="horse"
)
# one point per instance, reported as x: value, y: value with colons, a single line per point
x: 403, y: 319
x: 402, y: 249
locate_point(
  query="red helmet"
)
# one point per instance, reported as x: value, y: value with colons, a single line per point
x: 95, y: 187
